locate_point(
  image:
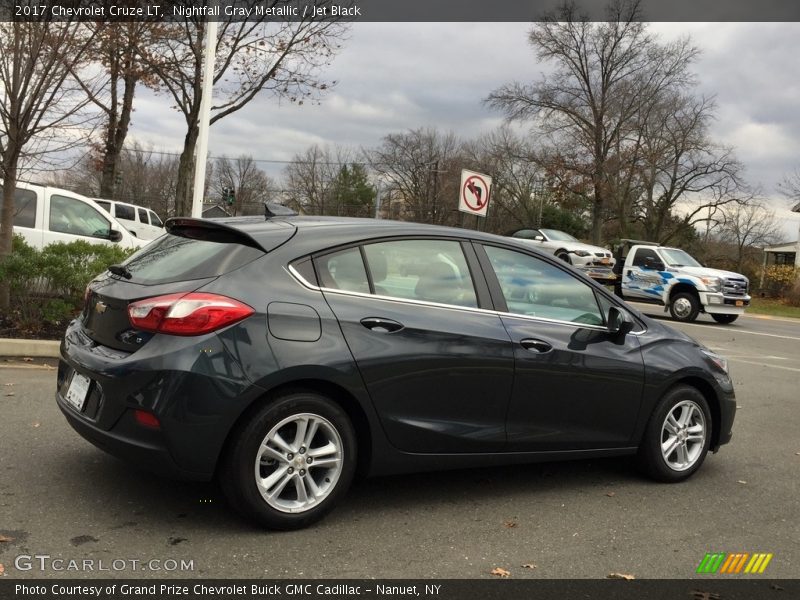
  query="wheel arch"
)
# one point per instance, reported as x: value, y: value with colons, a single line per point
x: 682, y: 287
x: 707, y: 390
x: 334, y: 392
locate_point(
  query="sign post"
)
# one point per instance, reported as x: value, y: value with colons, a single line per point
x: 474, y: 193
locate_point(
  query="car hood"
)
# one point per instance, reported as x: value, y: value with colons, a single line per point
x: 706, y: 272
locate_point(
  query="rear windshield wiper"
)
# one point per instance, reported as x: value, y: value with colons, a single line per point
x: 120, y: 270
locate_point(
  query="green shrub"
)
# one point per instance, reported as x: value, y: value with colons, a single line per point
x: 46, y: 286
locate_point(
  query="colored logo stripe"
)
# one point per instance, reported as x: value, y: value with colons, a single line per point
x: 722, y: 562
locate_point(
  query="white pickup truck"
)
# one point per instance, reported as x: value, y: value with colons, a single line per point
x: 671, y: 278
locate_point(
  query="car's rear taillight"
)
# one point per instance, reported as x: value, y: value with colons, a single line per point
x: 194, y: 313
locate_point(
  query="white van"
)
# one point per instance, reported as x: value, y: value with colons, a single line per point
x: 45, y: 215
x: 140, y: 221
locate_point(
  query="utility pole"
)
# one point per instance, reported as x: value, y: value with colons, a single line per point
x: 205, y: 117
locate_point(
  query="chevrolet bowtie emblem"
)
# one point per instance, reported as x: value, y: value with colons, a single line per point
x: 100, y: 307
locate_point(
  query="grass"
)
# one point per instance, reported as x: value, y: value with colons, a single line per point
x: 774, y: 307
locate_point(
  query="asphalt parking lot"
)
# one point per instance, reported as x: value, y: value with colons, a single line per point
x: 61, y: 497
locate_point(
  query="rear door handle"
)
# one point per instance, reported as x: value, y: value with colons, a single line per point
x: 381, y: 325
x: 535, y: 345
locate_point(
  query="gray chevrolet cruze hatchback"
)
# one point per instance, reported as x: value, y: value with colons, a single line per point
x: 283, y: 354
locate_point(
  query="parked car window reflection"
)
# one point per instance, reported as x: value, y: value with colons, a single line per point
x: 68, y: 215
x: 427, y: 270
x: 343, y: 270
x: 536, y: 288
x: 24, y: 207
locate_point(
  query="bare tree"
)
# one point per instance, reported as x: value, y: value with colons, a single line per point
x: 123, y: 50
x: 422, y: 171
x: 748, y: 225
x: 41, y: 107
x: 790, y: 187
x: 311, y: 179
x: 248, y: 186
x: 677, y: 161
x: 605, y: 73
x: 280, y: 58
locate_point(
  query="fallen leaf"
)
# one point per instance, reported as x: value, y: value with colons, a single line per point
x: 27, y: 359
x: 500, y: 572
x: 624, y: 576
x: 776, y: 587
x: 529, y: 566
x: 35, y: 424
x: 742, y: 481
x: 5, y: 538
x: 698, y: 595
x: 611, y: 494
x: 797, y: 453
x: 2, y: 569
x: 8, y: 384
x: 509, y: 524
x: 9, y: 394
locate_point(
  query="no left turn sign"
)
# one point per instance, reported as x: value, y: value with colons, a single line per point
x: 475, y: 191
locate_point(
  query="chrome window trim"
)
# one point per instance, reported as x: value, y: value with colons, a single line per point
x: 305, y: 283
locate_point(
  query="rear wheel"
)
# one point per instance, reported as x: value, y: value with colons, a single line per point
x: 677, y: 437
x: 684, y: 307
x: 292, y: 462
x: 724, y: 319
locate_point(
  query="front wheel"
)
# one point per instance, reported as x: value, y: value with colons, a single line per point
x: 564, y: 255
x: 684, y: 307
x: 291, y: 462
x: 677, y: 437
x: 724, y: 319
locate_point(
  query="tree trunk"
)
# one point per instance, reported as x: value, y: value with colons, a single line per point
x: 185, y: 183
x: 10, y: 164
x: 597, y: 213
x: 116, y: 133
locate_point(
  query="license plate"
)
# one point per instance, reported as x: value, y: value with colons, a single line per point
x: 605, y: 261
x: 78, y: 390
x: 740, y: 303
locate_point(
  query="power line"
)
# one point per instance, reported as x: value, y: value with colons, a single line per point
x: 257, y: 160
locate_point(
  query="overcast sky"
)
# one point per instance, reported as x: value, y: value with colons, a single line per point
x: 398, y: 76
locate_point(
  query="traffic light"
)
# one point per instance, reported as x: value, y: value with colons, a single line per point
x: 229, y: 195
x: 118, y: 178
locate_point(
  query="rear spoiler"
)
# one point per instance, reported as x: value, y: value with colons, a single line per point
x: 218, y: 231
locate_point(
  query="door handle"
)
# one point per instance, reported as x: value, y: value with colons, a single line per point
x: 381, y: 325
x: 535, y: 345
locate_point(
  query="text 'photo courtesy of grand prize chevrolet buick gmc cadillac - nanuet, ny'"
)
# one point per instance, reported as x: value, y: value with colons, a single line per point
x: 284, y: 354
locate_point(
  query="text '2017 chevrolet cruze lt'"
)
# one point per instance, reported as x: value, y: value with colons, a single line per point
x: 283, y: 354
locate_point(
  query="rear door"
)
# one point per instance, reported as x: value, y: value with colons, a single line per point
x: 27, y: 215
x: 576, y: 385
x: 438, y: 368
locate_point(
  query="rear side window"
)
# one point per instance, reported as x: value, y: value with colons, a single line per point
x: 426, y: 270
x: 24, y: 207
x: 343, y: 270
x: 174, y: 258
x: 124, y: 211
x: 143, y: 216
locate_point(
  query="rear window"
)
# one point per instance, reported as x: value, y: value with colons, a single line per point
x: 174, y: 258
x: 24, y: 207
x: 143, y: 216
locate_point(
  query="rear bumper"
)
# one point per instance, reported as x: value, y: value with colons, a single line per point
x: 192, y: 385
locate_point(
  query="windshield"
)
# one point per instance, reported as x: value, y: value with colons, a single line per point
x: 559, y: 236
x: 678, y: 258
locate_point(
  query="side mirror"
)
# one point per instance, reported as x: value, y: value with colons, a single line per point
x: 115, y: 236
x: 651, y: 263
x: 619, y: 321
x: 538, y: 238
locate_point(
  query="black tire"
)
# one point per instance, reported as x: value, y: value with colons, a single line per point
x: 671, y: 469
x: 684, y: 307
x: 724, y: 319
x: 564, y: 255
x: 286, y: 509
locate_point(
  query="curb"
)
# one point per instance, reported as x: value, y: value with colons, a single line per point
x: 30, y: 348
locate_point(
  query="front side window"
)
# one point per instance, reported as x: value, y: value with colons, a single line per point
x: 426, y: 270
x: 70, y: 215
x: 143, y: 216
x: 535, y: 288
x: 105, y: 205
x: 154, y: 220
x: 24, y: 207
x: 642, y: 256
